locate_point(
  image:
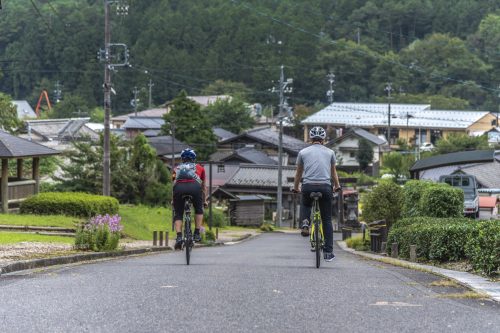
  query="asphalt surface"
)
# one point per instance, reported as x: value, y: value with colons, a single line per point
x: 268, y: 284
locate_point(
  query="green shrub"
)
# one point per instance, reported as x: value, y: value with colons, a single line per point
x: 483, y: 247
x: 266, y: 227
x: 209, y: 235
x: 383, y: 203
x: 442, y: 200
x: 100, y: 233
x: 412, y: 192
x: 357, y: 243
x: 69, y: 203
x: 219, y: 218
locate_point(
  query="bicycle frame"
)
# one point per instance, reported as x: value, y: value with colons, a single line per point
x: 316, y: 222
x: 188, y: 235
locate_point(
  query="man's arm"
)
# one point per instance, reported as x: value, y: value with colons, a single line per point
x: 336, y: 183
x: 298, y: 177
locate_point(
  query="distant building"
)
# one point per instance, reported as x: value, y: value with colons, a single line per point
x: 223, y: 134
x: 243, y: 155
x: 150, y: 126
x: 24, y: 110
x: 414, y: 123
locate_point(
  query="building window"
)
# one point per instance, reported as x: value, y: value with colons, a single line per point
x: 494, y: 122
x: 352, y: 154
x: 221, y: 168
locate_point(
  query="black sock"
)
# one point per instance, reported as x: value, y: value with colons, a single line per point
x: 179, y: 234
x: 197, y: 231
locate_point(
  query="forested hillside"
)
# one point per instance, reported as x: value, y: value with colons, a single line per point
x: 449, y: 48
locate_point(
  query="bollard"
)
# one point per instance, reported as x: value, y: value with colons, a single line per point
x: 216, y: 233
x: 413, y: 253
x: 155, y: 238
x: 383, y: 247
x: 166, y: 238
x: 394, y: 250
x: 161, y: 238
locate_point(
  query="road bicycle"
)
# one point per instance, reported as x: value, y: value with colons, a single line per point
x: 316, y: 235
x: 187, y: 243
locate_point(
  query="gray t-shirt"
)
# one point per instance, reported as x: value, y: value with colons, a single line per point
x: 317, y: 161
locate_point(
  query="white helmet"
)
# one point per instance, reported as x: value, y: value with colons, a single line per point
x: 317, y: 132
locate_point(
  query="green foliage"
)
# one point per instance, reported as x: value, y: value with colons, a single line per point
x: 209, y: 235
x: 71, y: 204
x: 450, y: 239
x: 364, y: 155
x: 459, y: 142
x: 236, y: 90
x: 398, y: 164
x: 266, y: 227
x: 219, y: 219
x: 358, y: 244
x: 71, y: 106
x: 8, y: 114
x: 384, y: 202
x: 412, y: 193
x: 192, y: 125
x: 98, y: 239
x: 97, y: 115
x: 483, y: 247
x: 442, y: 200
x: 231, y: 115
x: 437, y: 102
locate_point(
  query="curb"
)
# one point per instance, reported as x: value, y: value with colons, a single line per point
x: 476, y: 283
x: 39, y: 263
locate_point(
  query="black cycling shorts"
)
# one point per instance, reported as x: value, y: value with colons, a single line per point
x: 189, y: 188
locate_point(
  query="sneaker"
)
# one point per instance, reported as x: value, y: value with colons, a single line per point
x: 329, y: 256
x: 304, y: 228
x: 178, y: 243
x: 196, y: 237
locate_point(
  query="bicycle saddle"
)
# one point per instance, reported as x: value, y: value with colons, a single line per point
x: 187, y: 196
x: 316, y: 195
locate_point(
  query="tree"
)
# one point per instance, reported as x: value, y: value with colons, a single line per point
x: 70, y: 107
x: 192, y: 125
x: 97, y: 115
x: 364, y: 155
x: 233, y: 89
x: 230, y: 114
x: 398, y: 164
x: 385, y: 202
x: 460, y: 142
x: 8, y: 114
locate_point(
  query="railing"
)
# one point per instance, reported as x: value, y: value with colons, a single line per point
x: 19, y: 190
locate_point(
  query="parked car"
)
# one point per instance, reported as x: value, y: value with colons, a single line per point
x: 469, y: 185
x: 427, y: 146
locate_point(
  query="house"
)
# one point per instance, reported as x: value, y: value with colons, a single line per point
x: 483, y: 164
x: 58, y: 133
x: 119, y: 121
x: 488, y: 208
x: 15, y: 189
x: 243, y: 155
x: 266, y: 139
x: 413, y: 123
x: 24, y: 110
x: 223, y: 134
x: 347, y: 146
x: 149, y: 126
x: 248, y: 210
x: 167, y: 148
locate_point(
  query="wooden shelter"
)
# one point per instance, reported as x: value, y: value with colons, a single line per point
x: 14, y: 190
x: 248, y: 210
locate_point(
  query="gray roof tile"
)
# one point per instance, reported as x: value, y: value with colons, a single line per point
x: 144, y: 123
x: 250, y: 175
x: 462, y: 157
x: 12, y: 146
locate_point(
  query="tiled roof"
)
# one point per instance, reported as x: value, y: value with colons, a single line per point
x: 487, y: 202
x: 144, y: 123
x: 24, y: 110
x: 13, y: 146
x: 251, y: 155
x: 61, y: 128
x: 375, y: 115
x: 271, y: 137
x: 154, y: 113
x: 255, y: 197
x: 487, y: 174
x: 250, y: 175
x: 361, y: 133
x: 219, y: 155
x: 220, y: 176
x: 462, y: 157
x: 223, y: 134
x: 152, y: 132
x: 163, y: 145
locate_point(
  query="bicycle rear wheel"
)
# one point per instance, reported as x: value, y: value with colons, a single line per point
x: 188, y: 240
x: 317, y: 244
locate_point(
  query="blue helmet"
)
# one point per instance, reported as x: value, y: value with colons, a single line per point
x: 188, y: 154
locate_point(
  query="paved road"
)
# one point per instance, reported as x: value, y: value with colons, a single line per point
x: 267, y: 284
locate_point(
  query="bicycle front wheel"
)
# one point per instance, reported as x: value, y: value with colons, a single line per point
x: 188, y: 252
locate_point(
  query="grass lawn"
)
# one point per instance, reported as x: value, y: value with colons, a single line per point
x: 15, y: 237
x: 139, y: 222
x: 39, y: 220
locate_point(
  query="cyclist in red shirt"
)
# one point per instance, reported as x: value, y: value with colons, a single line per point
x: 189, y: 179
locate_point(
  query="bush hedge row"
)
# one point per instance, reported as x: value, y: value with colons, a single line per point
x: 69, y: 203
x: 450, y: 239
x: 424, y: 198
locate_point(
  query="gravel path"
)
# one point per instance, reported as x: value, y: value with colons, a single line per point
x: 30, y: 250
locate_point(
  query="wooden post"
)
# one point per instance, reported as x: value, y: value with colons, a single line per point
x: 19, y: 168
x: 5, y: 185
x: 413, y: 253
x: 394, y: 250
x: 216, y: 233
x: 155, y: 238
x: 36, y: 173
x: 161, y: 238
x: 166, y: 238
x: 383, y: 247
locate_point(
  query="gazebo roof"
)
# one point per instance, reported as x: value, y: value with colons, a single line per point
x: 12, y: 147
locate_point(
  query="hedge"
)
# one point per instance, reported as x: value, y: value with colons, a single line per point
x: 424, y: 198
x: 383, y: 203
x: 450, y: 239
x: 219, y: 218
x: 69, y: 203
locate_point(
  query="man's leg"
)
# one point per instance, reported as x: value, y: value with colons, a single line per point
x: 305, y: 211
x: 325, y: 206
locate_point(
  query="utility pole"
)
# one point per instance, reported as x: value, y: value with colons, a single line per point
x: 359, y: 36
x: 329, y: 93
x: 105, y: 55
x: 135, y: 91
x: 172, y: 135
x: 498, y: 111
x: 282, y: 89
x: 388, y: 89
x: 150, y: 85
x: 57, y: 92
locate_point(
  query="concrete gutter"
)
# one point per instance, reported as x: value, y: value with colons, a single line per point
x: 71, y: 259
x: 474, y: 282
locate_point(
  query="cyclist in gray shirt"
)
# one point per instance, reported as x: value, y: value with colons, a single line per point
x: 316, y: 168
